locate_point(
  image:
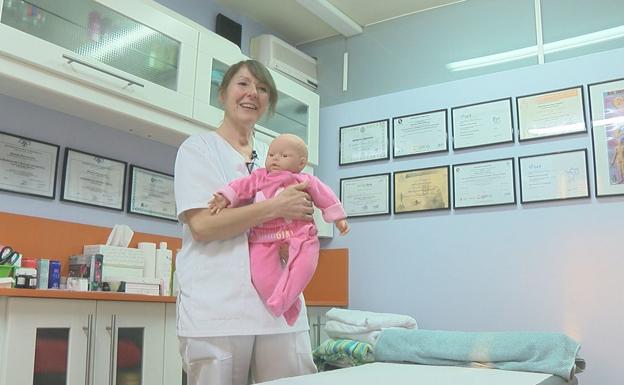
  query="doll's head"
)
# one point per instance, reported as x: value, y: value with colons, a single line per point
x: 287, y: 152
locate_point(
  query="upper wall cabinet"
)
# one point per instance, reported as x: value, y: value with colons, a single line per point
x: 123, y: 47
x: 297, y: 110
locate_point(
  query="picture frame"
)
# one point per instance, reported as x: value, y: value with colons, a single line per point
x: 424, y: 189
x: 606, y: 101
x: 482, y: 124
x: 151, y: 193
x: 551, y: 113
x: 364, y: 142
x: 28, y: 166
x: 366, y: 195
x: 484, y: 183
x: 554, y: 176
x: 421, y: 133
x: 93, y: 180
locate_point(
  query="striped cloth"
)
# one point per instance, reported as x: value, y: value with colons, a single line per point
x: 343, y: 352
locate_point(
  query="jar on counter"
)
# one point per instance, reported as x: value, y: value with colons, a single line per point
x: 25, y: 278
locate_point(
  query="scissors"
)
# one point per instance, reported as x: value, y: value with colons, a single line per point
x: 8, y: 256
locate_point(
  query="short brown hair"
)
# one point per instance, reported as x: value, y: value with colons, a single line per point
x: 260, y: 72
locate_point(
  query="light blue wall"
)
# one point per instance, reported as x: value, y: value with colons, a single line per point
x: 543, y: 267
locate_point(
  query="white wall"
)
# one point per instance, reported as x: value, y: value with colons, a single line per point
x: 541, y: 267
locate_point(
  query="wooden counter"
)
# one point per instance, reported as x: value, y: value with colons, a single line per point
x: 91, y: 295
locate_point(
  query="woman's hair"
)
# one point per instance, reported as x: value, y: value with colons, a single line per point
x: 260, y: 72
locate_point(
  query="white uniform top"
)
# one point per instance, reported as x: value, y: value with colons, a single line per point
x: 216, y: 295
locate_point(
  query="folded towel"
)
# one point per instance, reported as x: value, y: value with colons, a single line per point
x: 345, y: 351
x: 551, y: 353
x: 335, y: 329
x: 371, y: 320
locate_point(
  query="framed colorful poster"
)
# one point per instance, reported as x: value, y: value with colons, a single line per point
x: 28, y: 166
x: 423, y: 189
x: 552, y: 113
x: 421, y: 133
x: 487, y: 183
x: 606, y: 100
x: 364, y: 142
x: 555, y: 176
x: 482, y: 124
x: 93, y: 180
x: 366, y: 195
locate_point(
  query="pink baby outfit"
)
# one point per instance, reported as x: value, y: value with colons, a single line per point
x: 279, y: 287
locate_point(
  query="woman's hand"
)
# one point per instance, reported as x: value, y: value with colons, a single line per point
x: 294, y: 203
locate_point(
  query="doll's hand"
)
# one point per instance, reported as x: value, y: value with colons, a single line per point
x: 343, y: 226
x: 217, y: 203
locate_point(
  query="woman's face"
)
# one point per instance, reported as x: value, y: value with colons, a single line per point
x: 245, y: 99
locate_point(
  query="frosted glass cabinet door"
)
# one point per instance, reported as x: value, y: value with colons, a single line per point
x: 130, y: 343
x: 123, y: 46
x: 49, y: 341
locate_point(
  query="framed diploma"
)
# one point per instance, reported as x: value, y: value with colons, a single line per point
x: 151, y: 193
x: 606, y: 100
x: 421, y: 190
x: 489, y: 183
x: 28, y: 166
x: 364, y: 142
x: 93, y: 180
x: 366, y: 195
x: 551, y: 113
x: 482, y: 124
x: 556, y: 176
x: 422, y: 133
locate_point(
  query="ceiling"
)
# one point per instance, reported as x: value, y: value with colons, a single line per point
x: 297, y: 25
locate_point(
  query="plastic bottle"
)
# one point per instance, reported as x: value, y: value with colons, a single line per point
x: 164, y: 259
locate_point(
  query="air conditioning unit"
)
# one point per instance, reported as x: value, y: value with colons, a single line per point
x: 281, y: 56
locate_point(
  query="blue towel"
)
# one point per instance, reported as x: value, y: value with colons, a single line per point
x: 551, y: 353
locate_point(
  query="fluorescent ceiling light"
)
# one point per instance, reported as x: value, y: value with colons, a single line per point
x: 332, y: 16
x: 523, y: 53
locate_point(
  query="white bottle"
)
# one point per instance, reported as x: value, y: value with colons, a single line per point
x: 164, y: 260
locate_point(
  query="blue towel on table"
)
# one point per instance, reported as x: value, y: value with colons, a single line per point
x: 551, y: 353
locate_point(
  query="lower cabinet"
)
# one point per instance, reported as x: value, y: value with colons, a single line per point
x: 82, y: 342
x: 172, y: 368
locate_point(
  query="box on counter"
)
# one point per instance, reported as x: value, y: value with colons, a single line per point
x: 118, y: 261
x: 89, y: 267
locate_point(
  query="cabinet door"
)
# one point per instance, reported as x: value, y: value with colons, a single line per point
x: 124, y: 47
x: 129, y: 343
x: 172, y: 368
x: 48, y: 341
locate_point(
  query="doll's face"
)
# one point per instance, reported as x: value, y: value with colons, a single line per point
x: 286, y: 153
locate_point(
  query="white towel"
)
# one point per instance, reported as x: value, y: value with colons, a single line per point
x: 339, y: 330
x: 371, y: 321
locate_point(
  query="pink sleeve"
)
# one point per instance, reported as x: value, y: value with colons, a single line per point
x: 325, y: 199
x: 242, y: 189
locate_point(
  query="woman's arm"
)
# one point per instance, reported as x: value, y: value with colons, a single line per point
x: 292, y: 203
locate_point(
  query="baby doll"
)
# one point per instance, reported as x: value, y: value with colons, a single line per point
x: 279, y: 286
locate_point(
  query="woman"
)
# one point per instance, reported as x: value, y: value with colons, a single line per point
x: 224, y: 328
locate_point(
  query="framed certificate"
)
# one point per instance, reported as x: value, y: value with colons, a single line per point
x: 551, y: 113
x: 489, y: 183
x: 422, y: 133
x: 556, y: 176
x: 421, y: 190
x: 28, y: 166
x: 482, y: 124
x: 364, y: 142
x: 606, y: 100
x: 366, y: 195
x: 151, y: 193
x: 93, y: 180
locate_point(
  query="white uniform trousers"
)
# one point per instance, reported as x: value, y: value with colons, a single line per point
x: 228, y: 360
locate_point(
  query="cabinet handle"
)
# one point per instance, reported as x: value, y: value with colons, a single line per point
x: 113, y: 350
x: 84, y: 63
x: 89, y: 331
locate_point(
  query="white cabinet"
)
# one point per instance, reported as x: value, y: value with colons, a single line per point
x: 297, y: 110
x: 123, y: 47
x: 77, y: 342
x: 172, y: 368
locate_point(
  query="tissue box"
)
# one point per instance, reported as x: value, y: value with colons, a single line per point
x: 118, y: 261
